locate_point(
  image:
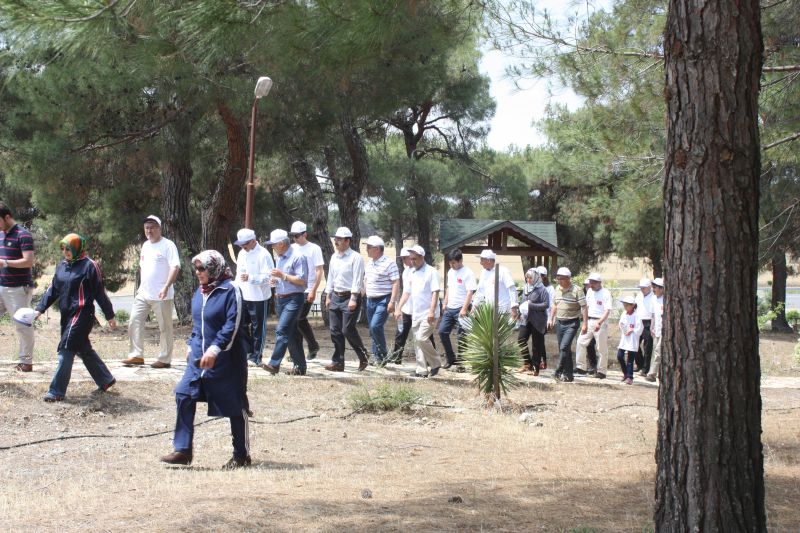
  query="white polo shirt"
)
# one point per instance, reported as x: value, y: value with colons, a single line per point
x: 598, y: 302
x: 508, y: 289
x: 644, y: 305
x: 423, y: 282
x: 379, y: 276
x: 658, y: 316
x: 406, y: 309
x: 257, y: 264
x: 459, y: 283
x: 313, y: 254
x: 155, y: 261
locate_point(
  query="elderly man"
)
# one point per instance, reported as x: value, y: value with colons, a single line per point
x: 423, y: 293
x: 645, y: 301
x: 569, y: 307
x: 658, y: 321
x: 598, y: 302
x: 290, y: 277
x: 343, y: 296
x: 16, y: 281
x: 381, y: 281
x: 461, y: 287
x: 253, y: 268
x: 316, y: 263
x: 507, y: 292
x: 160, y: 264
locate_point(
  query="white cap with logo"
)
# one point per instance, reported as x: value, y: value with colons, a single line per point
x: 24, y: 316
x: 564, y: 271
x: 343, y: 233
x: 542, y: 270
x: 628, y: 300
x: 404, y: 252
x: 417, y: 249
x: 244, y: 235
x: 645, y: 282
x: 277, y: 235
x: 488, y: 254
x: 374, y: 240
x: 297, y: 228
x: 659, y: 282
x: 594, y: 276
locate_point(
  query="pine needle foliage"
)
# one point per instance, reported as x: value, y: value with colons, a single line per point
x: 480, y: 349
x: 385, y: 397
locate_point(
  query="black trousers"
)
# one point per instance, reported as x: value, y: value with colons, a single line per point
x: 527, y: 331
x: 645, y: 353
x: 343, y: 326
x: 305, y: 328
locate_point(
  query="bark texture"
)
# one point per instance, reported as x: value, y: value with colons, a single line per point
x: 779, y: 275
x: 350, y: 188
x: 710, y: 463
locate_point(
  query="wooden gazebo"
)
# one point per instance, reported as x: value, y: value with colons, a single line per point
x: 522, y: 238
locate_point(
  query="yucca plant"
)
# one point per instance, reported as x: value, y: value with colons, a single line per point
x: 480, y: 349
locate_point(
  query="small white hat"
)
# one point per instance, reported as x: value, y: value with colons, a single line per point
x: 297, y: 228
x: 594, y: 276
x: 488, y: 254
x: 659, y: 282
x: 244, y: 235
x: 645, y: 282
x: 343, y: 233
x: 404, y: 252
x: 277, y: 235
x: 417, y: 249
x: 564, y: 271
x: 628, y: 300
x: 374, y: 240
x: 542, y: 270
x: 24, y: 316
x: 152, y: 218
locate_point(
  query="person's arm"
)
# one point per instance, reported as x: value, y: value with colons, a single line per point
x: 312, y: 292
x: 25, y: 262
x: 223, y: 340
x: 358, y: 280
x: 300, y: 276
x: 399, y: 309
x: 173, y: 275
x: 434, y: 304
x: 50, y: 296
x: 538, y: 300
x: 393, y: 297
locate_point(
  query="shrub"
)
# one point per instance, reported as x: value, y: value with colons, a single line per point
x: 385, y: 398
x: 480, y: 348
x: 122, y: 317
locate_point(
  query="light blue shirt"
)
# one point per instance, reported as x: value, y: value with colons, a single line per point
x: 292, y: 263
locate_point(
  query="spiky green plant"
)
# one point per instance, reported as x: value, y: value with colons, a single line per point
x: 480, y: 348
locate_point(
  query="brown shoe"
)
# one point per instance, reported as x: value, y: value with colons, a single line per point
x: 159, y: 364
x: 363, y: 364
x: 177, y: 458
x: 133, y: 361
x: 534, y: 372
x: 22, y: 367
x: 333, y: 367
x: 271, y: 369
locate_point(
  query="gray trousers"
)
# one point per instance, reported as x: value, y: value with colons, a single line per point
x: 11, y: 299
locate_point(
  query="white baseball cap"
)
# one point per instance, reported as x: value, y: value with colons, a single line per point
x: 24, y: 316
x: 244, y: 235
x: 594, y: 276
x: 659, y: 282
x: 343, y: 233
x: 297, y: 228
x: 404, y: 252
x: 542, y: 270
x: 417, y: 249
x: 645, y: 282
x: 628, y: 300
x: 374, y: 240
x: 564, y: 271
x: 277, y: 235
x: 152, y: 218
x: 488, y: 254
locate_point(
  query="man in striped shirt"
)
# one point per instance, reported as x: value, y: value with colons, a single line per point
x: 569, y: 306
x: 16, y: 283
x: 381, y: 280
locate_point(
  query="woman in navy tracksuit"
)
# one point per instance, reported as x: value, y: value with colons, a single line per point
x: 76, y: 285
x: 216, y: 370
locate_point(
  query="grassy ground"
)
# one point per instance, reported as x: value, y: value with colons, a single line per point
x: 561, y: 457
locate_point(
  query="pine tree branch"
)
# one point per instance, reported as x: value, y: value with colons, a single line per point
x: 125, y: 137
x: 782, y: 68
x: 95, y: 14
x: 790, y: 138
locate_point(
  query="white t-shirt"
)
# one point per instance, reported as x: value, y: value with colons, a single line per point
x: 508, y: 289
x: 422, y: 284
x: 155, y: 262
x: 644, y: 305
x: 257, y: 264
x: 658, y: 316
x: 406, y: 309
x: 313, y: 254
x: 632, y: 323
x: 551, y: 291
x: 459, y: 282
x: 598, y: 302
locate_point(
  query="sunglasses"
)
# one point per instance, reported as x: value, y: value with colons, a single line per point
x: 200, y: 268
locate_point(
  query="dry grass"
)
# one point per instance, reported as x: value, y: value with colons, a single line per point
x: 584, y: 459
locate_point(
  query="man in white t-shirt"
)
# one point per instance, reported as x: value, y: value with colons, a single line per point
x: 507, y: 291
x: 657, y: 327
x: 461, y: 287
x: 159, y: 265
x: 253, y: 267
x: 316, y: 266
x: 598, y: 300
x: 423, y: 293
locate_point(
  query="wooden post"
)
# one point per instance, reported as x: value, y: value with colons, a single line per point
x: 496, y: 323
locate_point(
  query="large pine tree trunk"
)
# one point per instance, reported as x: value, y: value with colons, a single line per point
x: 177, y: 181
x: 710, y: 464
x: 779, y: 275
x: 306, y: 177
x: 349, y: 191
x: 221, y: 211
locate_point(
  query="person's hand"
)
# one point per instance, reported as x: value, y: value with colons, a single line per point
x: 112, y: 323
x: 551, y: 324
x: 390, y: 308
x: 398, y: 314
x: 38, y: 314
x: 463, y: 313
x: 597, y: 327
x: 628, y: 333
x: 584, y: 328
x: 431, y: 317
x: 312, y: 295
x: 244, y: 276
x: 351, y: 305
x: 208, y: 360
x: 162, y: 294
x: 276, y: 273
x: 328, y: 302
x: 514, y: 313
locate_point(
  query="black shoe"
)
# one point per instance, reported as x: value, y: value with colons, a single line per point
x: 579, y: 371
x: 434, y: 371
x: 237, y: 462
x: 312, y: 354
x: 415, y: 375
x: 591, y: 371
x: 600, y: 375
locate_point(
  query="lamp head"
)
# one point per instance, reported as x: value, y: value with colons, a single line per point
x: 263, y: 85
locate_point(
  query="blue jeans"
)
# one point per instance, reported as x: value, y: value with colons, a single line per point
x: 377, y: 314
x: 287, y: 336
x: 96, y: 367
x: 565, y: 333
x: 184, y: 428
x: 626, y: 363
x: 450, y: 319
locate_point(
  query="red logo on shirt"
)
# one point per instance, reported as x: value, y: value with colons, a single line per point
x: 460, y: 280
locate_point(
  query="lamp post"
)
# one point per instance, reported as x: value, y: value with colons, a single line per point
x: 263, y: 85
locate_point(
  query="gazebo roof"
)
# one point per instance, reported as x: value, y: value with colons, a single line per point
x: 457, y: 232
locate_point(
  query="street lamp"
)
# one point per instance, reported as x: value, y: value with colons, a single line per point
x: 263, y: 85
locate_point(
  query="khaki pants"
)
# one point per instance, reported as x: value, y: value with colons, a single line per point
x: 602, y: 345
x: 11, y: 299
x: 655, y: 365
x: 163, y: 311
x: 426, y: 354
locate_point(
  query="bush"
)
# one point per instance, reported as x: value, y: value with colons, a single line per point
x: 386, y: 398
x: 480, y: 348
x: 122, y: 317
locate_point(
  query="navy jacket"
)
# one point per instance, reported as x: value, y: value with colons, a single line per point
x: 76, y: 287
x: 216, y: 321
x: 538, y: 302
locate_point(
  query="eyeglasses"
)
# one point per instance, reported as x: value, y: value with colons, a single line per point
x: 200, y: 268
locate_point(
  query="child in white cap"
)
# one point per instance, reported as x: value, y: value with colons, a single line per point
x: 630, y: 330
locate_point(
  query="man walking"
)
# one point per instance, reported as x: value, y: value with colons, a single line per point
x: 16, y: 280
x: 343, y: 296
x: 253, y: 268
x: 316, y: 263
x: 458, y: 295
x: 159, y: 265
x: 381, y: 280
x: 290, y: 277
x: 569, y: 307
x: 645, y: 301
x: 658, y: 320
x: 423, y: 293
x: 598, y: 302
x: 507, y: 289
